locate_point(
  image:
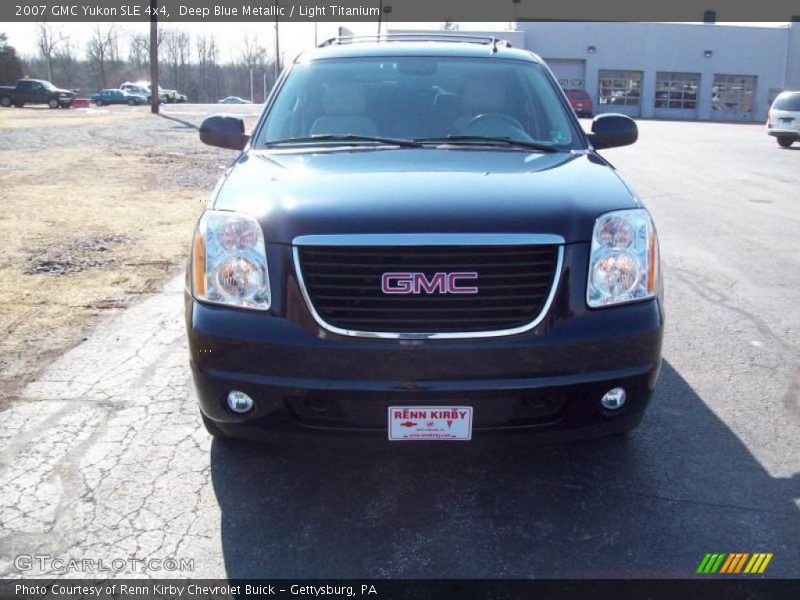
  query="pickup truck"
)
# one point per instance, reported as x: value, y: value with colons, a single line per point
x: 35, y: 91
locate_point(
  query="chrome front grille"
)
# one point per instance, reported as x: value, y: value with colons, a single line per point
x: 341, y: 278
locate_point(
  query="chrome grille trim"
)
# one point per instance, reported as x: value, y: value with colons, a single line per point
x: 445, y: 239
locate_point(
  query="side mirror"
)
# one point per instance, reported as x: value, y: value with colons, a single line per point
x: 224, y: 132
x: 611, y: 130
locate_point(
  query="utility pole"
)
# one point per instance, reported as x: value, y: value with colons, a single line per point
x: 277, y: 45
x: 383, y: 10
x: 155, y: 97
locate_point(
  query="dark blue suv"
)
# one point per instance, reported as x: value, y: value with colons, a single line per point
x: 418, y: 239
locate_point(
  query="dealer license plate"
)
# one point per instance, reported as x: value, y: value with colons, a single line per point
x: 421, y: 423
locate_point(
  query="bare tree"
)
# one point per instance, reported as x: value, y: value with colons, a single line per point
x: 176, y: 44
x: 65, y: 57
x: 138, y: 51
x: 207, y: 56
x: 47, y: 40
x: 103, y: 49
x: 253, y: 58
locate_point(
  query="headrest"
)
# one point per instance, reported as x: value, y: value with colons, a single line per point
x: 343, y: 99
x: 484, y: 95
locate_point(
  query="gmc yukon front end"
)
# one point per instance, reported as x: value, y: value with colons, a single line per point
x: 419, y: 240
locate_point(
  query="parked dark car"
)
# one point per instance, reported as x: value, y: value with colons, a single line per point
x: 419, y: 240
x: 580, y: 102
x: 35, y: 91
x: 112, y: 96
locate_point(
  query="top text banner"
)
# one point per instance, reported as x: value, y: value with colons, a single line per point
x: 396, y: 10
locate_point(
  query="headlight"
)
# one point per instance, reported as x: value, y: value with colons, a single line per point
x: 229, y: 261
x: 624, y: 262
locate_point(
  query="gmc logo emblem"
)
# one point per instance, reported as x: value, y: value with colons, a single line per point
x: 419, y: 283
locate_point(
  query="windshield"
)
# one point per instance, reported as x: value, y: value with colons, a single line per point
x: 48, y: 86
x: 419, y: 98
x: 787, y: 102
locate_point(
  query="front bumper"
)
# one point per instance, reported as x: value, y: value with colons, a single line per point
x: 305, y: 378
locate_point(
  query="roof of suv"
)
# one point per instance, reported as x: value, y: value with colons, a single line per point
x: 439, y: 48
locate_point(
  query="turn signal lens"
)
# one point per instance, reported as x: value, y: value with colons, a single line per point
x: 229, y: 262
x: 623, y: 264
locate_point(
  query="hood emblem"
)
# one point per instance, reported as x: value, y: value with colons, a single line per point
x: 419, y: 283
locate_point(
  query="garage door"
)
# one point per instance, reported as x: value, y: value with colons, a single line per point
x: 571, y: 74
x: 732, y: 97
x: 676, y: 95
x: 619, y: 91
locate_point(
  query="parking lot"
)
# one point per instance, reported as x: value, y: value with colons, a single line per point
x: 103, y: 454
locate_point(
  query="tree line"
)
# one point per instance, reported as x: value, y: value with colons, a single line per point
x: 193, y: 65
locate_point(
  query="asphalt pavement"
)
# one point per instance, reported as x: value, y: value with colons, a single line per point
x: 104, y: 456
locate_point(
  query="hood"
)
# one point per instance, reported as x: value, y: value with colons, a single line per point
x: 60, y: 91
x: 426, y: 190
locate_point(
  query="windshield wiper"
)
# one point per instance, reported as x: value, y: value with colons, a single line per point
x: 487, y: 139
x: 346, y: 137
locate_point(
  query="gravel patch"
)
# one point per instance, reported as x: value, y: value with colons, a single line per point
x: 75, y: 256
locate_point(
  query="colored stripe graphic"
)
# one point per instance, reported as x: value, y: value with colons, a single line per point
x: 728, y: 564
x: 702, y: 567
x: 711, y: 563
x: 764, y: 564
x: 754, y: 563
x: 740, y: 564
x: 734, y: 563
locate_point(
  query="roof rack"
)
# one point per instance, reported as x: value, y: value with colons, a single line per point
x: 486, y: 40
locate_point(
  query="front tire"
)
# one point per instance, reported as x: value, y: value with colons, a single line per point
x: 785, y: 142
x: 53, y: 103
x: 131, y: 102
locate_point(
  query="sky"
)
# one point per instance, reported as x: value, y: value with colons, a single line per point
x: 294, y: 37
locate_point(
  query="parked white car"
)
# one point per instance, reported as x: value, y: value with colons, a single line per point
x: 783, y: 119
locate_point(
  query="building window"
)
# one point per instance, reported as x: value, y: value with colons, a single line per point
x: 620, y: 87
x: 677, y: 90
x: 571, y: 84
x: 733, y: 93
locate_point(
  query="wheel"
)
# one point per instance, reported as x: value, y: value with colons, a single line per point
x: 213, y: 428
x: 131, y: 102
x: 53, y: 103
x: 98, y: 103
x: 785, y: 142
x: 5, y: 101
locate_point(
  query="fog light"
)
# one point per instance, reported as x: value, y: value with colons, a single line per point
x: 613, y: 399
x: 239, y: 402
